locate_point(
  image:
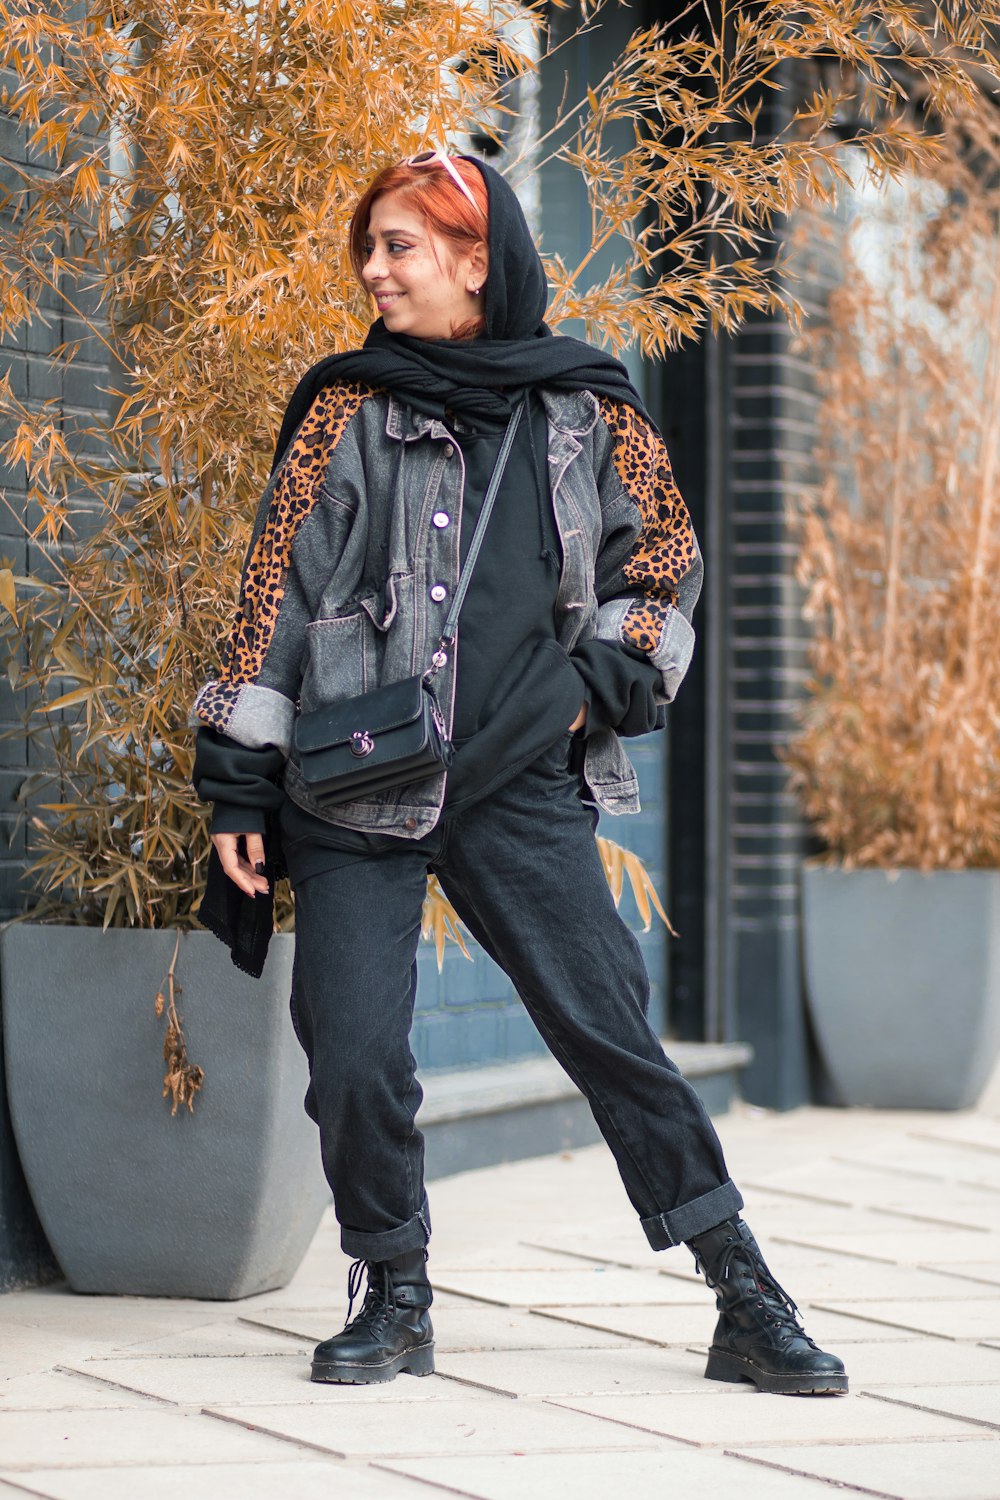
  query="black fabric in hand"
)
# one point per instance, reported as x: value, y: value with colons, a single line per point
x: 244, y: 923
x: 620, y: 684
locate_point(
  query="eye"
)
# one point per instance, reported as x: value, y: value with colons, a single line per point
x: 398, y: 246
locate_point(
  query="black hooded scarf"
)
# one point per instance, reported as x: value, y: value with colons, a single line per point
x: 482, y: 378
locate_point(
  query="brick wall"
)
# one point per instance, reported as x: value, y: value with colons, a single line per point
x: 770, y: 410
x: 26, y: 357
x: 79, y: 391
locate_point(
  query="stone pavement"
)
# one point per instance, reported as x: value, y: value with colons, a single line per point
x: 569, y: 1356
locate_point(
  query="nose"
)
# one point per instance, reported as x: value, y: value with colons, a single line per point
x: 374, y: 267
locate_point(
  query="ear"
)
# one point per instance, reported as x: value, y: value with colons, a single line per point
x: 478, y: 265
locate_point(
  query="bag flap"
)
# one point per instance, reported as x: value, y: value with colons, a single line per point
x: 386, y: 708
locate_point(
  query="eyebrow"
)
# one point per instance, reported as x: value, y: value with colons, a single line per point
x: 408, y: 234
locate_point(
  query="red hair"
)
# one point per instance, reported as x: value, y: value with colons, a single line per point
x: 435, y: 197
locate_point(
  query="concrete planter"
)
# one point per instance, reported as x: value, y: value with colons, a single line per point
x: 221, y: 1203
x: 903, y: 982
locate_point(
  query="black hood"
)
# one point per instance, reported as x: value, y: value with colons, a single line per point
x: 516, y: 289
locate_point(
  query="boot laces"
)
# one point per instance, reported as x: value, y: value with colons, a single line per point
x: 378, y: 1305
x: 766, y: 1294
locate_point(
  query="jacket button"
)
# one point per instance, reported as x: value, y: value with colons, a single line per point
x: 438, y: 593
x: 449, y: 451
x: 440, y: 519
x: 410, y: 824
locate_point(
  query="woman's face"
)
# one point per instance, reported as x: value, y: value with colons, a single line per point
x: 421, y: 286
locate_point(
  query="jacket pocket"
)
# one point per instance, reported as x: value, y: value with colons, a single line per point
x: 339, y: 659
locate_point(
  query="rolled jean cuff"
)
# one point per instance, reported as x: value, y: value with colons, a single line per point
x: 683, y: 1223
x: 412, y: 1235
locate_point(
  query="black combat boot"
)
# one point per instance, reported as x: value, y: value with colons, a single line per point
x: 391, y: 1333
x: 758, y: 1336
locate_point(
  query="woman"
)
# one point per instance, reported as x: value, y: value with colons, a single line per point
x: 576, y: 630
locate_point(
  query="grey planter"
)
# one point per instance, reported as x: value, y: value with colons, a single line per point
x: 221, y: 1203
x: 903, y: 983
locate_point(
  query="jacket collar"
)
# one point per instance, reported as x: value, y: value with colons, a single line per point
x: 404, y: 425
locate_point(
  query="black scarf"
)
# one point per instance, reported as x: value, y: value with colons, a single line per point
x: 483, y: 378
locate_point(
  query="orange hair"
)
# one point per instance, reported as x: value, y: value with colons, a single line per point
x: 447, y: 211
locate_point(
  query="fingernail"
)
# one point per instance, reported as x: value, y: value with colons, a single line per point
x: 259, y: 867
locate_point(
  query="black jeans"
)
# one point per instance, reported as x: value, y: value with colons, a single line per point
x: 523, y: 871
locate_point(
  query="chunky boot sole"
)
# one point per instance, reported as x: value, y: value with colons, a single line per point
x: 725, y: 1366
x: 418, y: 1361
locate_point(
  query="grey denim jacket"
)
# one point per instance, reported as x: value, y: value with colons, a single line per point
x: 354, y: 556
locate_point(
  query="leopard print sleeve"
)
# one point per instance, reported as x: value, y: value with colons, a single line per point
x: 660, y: 578
x: 252, y: 700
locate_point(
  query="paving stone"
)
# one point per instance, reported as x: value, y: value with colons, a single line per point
x: 792, y: 1218
x: 268, y: 1381
x: 903, y: 1471
x: 821, y: 1276
x: 973, y: 1403
x: 595, y: 1476
x: 948, y: 1160
x: 920, y: 1362
x: 611, y: 1247
x: 958, y: 1208
x: 619, y: 1250
x: 548, y: 1372
x: 478, y: 1424
x: 70, y: 1439
x: 688, y: 1324
x: 28, y: 1351
x: 977, y: 1131
x: 985, y: 1271
x: 235, y: 1339
x: 312, y: 1479
x: 513, y: 1257
x: 464, y: 1325
x: 61, y: 1315
x: 743, y: 1417
x: 977, y: 1320
x: 57, y: 1390
x: 874, y: 1187
x: 902, y: 1246
x: 832, y: 1182
x: 810, y: 1271
x: 331, y: 1292
x: 612, y: 1286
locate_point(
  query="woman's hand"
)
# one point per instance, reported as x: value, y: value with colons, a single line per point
x: 580, y: 720
x: 242, y: 872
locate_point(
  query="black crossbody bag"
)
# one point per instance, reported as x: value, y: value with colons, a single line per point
x: 394, y: 734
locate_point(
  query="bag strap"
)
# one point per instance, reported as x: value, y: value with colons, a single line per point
x: 440, y: 657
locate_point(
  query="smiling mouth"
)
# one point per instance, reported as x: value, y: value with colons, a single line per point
x: 387, y: 300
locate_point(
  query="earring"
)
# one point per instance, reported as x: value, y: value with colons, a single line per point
x: 476, y: 290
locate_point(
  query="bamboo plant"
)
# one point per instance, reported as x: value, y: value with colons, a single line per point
x: 898, y: 760
x: 196, y: 169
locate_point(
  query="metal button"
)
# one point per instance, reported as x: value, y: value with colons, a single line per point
x: 449, y: 451
x: 440, y: 519
x: 410, y: 824
x: 439, y: 592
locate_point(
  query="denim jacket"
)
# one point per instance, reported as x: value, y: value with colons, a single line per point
x: 354, y: 556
